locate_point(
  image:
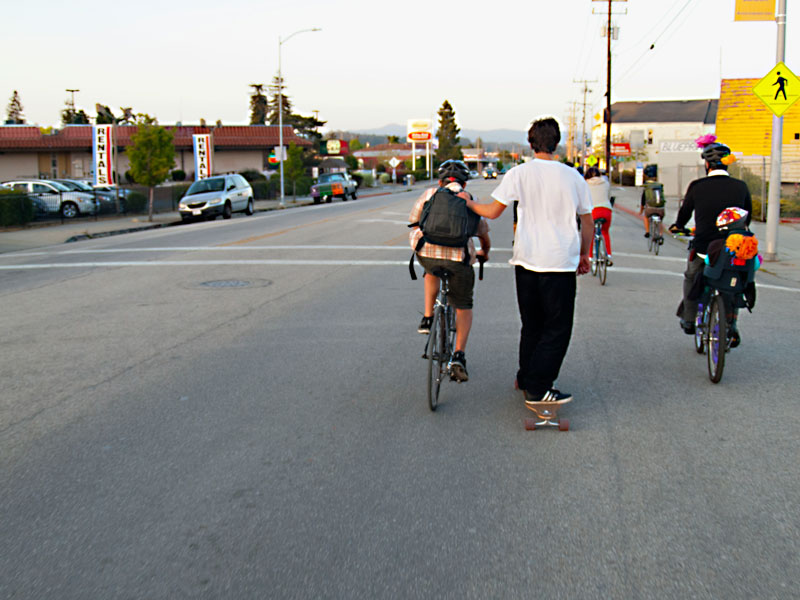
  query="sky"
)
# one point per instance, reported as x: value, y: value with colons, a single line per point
x: 373, y: 63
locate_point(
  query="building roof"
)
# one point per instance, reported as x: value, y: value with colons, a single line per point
x: 665, y: 111
x: 79, y: 137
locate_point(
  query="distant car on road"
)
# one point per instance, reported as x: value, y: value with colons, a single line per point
x: 55, y: 197
x: 473, y: 174
x: 219, y: 195
x: 490, y: 173
x: 334, y: 185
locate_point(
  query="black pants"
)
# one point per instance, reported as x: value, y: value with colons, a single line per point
x: 546, y: 306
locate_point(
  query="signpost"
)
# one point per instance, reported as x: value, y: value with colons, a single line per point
x: 393, y: 162
x: 779, y: 89
x: 420, y: 130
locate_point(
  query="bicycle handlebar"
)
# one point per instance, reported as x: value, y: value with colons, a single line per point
x: 481, y: 260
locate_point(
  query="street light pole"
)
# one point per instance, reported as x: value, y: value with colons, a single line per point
x: 280, y: 106
x: 774, y: 201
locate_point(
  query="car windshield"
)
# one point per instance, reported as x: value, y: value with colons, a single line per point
x: 329, y: 177
x: 77, y: 185
x: 206, y: 185
x: 59, y: 186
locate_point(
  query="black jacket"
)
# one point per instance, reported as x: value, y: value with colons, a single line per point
x: 707, y: 197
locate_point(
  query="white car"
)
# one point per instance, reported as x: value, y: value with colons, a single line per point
x: 218, y: 195
x: 55, y: 197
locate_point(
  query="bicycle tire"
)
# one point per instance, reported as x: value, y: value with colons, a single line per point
x: 657, y: 244
x: 435, y: 354
x: 650, y: 237
x: 717, y: 336
x: 700, y: 324
x: 596, y: 253
x: 451, y: 329
x: 602, y: 261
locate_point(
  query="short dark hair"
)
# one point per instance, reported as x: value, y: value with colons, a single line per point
x: 544, y: 135
x: 592, y: 172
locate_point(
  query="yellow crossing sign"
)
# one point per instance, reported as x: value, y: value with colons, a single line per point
x: 779, y: 89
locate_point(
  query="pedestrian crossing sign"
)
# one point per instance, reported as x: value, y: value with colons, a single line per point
x: 779, y: 89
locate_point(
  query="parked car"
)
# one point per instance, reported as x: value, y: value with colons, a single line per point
x: 490, y: 173
x: 334, y: 185
x: 106, y: 195
x: 219, y: 195
x: 56, y: 197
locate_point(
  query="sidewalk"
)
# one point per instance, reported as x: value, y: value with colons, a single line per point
x: 786, y: 268
x: 50, y: 233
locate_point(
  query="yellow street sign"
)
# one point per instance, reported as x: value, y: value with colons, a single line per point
x: 779, y: 89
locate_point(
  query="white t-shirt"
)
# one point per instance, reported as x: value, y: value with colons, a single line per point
x: 550, y: 195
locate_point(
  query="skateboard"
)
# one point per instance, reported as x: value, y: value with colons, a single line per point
x: 546, y: 412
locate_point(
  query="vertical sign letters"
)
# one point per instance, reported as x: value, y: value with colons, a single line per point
x: 202, y: 155
x: 101, y: 150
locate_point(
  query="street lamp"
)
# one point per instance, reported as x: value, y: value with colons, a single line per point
x: 280, y: 105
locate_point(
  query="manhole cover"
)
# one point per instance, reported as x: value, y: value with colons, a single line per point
x: 225, y: 283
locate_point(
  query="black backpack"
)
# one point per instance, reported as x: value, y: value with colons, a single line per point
x: 445, y: 221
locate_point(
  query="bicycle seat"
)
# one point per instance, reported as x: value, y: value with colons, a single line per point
x: 442, y: 272
x: 600, y: 220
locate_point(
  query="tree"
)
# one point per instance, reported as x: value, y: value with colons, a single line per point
x: 71, y: 116
x: 258, y: 105
x: 104, y: 115
x: 392, y: 139
x: 355, y: 144
x: 294, y: 168
x: 306, y: 127
x: 448, y: 135
x: 151, y: 155
x: 14, y: 114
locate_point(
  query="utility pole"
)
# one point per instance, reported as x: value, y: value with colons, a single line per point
x: 72, y: 101
x: 774, y: 200
x: 608, y: 95
x: 586, y: 90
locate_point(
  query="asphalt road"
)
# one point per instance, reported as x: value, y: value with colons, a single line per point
x: 236, y: 409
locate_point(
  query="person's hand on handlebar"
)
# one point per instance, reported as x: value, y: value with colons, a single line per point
x: 674, y: 229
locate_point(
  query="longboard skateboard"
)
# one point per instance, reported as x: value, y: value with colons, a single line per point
x: 547, y: 413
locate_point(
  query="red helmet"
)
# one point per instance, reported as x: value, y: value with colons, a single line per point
x: 732, y: 217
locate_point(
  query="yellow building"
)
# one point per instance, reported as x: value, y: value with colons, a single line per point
x: 744, y: 124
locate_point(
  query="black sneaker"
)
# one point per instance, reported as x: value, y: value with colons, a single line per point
x: 549, y: 396
x: 688, y: 328
x: 609, y: 262
x: 661, y: 241
x: 736, y: 339
x: 425, y: 325
x: 646, y: 234
x: 458, y: 367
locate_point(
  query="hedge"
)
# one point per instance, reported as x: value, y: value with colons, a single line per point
x: 15, y: 208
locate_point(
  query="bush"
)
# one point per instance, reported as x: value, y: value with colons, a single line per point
x: 178, y: 175
x: 364, y: 180
x: 15, y: 208
x: 252, y: 175
x: 261, y: 189
x: 129, y: 177
x: 136, y: 202
x: 385, y: 178
x: 628, y: 177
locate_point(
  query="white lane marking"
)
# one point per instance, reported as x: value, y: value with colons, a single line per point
x: 393, y: 222
x: 661, y: 258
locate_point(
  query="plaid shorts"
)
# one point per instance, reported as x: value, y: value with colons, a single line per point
x: 462, y: 280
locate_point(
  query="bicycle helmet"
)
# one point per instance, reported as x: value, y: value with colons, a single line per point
x: 454, y: 169
x: 732, y: 217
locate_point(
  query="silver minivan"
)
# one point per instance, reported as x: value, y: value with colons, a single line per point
x: 217, y: 195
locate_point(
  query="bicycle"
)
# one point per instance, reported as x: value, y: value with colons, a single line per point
x: 655, y: 239
x: 441, y: 341
x: 716, y: 316
x: 600, y: 253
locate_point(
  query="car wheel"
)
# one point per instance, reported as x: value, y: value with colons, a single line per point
x: 250, y: 209
x: 316, y: 200
x: 69, y: 210
x: 328, y: 199
x: 354, y: 195
x: 227, y: 212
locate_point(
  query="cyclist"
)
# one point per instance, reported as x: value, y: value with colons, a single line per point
x: 653, y: 203
x: 707, y: 198
x: 453, y: 174
x: 601, y: 204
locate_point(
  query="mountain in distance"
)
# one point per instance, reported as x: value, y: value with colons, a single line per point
x: 488, y: 136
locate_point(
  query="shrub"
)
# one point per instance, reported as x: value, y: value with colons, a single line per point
x: 385, y: 178
x: 178, y: 175
x: 129, y: 177
x: 261, y: 189
x: 136, y: 202
x: 252, y: 175
x: 15, y: 208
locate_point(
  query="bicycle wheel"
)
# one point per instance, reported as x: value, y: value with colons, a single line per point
x: 451, y: 329
x: 602, y: 261
x: 656, y: 242
x: 700, y: 324
x: 650, y: 229
x: 717, y: 338
x: 595, y: 253
x: 435, y: 354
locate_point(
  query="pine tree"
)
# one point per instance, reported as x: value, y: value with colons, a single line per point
x: 447, y: 133
x: 258, y: 105
x: 14, y: 114
x: 286, y: 104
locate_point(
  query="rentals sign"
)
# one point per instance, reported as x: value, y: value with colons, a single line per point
x: 101, y: 154
x: 202, y: 155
